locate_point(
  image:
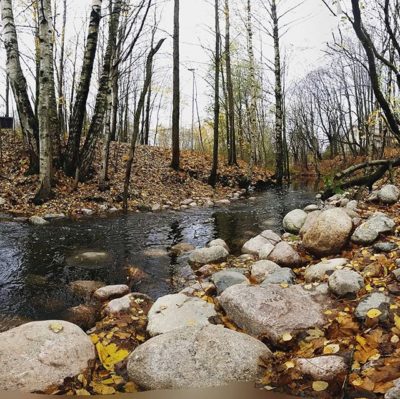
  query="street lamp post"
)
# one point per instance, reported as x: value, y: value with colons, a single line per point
x: 193, y: 89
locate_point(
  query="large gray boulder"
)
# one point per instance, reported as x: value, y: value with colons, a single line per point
x: 218, y: 243
x: 285, y: 255
x: 323, y: 269
x: 197, y: 358
x: 172, y: 312
x: 272, y: 311
x: 329, y: 233
x: 370, y: 230
x: 261, y: 269
x: 200, y: 257
x: 311, y: 218
x: 38, y: 355
x: 294, y: 221
x: 389, y: 194
x: 226, y: 278
x: 345, y: 282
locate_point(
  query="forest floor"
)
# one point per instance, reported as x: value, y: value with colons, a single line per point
x: 153, y: 185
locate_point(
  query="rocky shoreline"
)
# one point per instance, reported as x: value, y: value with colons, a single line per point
x: 313, y: 312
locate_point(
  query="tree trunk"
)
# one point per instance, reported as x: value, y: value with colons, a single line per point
x: 229, y: 85
x: 213, y: 176
x: 71, y: 158
x: 100, y: 109
x: 28, y: 121
x: 279, y: 172
x: 176, y: 91
x: 48, y: 121
x: 136, y: 125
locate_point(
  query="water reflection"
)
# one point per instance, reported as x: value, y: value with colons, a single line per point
x: 34, y: 267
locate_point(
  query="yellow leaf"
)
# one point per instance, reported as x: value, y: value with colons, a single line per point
x: 287, y: 337
x: 102, y: 389
x: 290, y: 365
x: 284, y: 285
x: 332, y: 348
x: 319, y: 386
x: 56, y: 327
x: 130, y: 387
x: 397, y: 321
x: 368, y: 287
x: 395, y: 339
x: 374, y: 313
x: 95, y: 338
x: 82, y: 392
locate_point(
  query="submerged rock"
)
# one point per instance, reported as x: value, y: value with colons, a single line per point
x: 272, y: 311
x: 329, y: 233
x: 195, y: 357
x: 38, y: 355
x: 172, y: 312
x: 83, y: 316
x: 37, y: 220
x: 182, y: 248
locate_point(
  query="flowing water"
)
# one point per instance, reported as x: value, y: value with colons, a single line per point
x: 36, y: 266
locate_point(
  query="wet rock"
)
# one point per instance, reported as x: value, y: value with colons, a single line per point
x: 218, y: 243
x: 323, y: 368
x: 273, y: 311
x: 284, y: 255
x: 226, y: 278
x: 282, y: 276
x: 311, y: 218
x: 36, y: 279
x: 223, y: 202
x: 7, y: 321
x: 323, y: 269
x: 389, y: 194
x: 375, y: 300
x: 82, y: 315
x: 93, y: 257
x: 294, y: 221
x: 37, y: 220
x: 370, y: 230
x: 135, y: 275
x: 87, y: 212
x: 345, y: 282
x: 108, y: 292
x: 41, y: 354
x: 329, y: 234
x: 155, y: 252
x: 172, y: 312
x: 182, y: 248
x: 385, y: 247
x: 261, y: 269
x: 266, y: 251
x: 206, y: 270
x: 197, y: 358
x: 208, y: 255
x: 84, y: 288
x: 54, y: 216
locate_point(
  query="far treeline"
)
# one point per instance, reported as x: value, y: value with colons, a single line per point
x: 76, y: 95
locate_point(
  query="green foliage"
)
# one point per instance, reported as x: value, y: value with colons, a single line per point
x: 331, y: 184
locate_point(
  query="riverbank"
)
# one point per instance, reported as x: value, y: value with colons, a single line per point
x: 312, y: 312
x: 154, y: 185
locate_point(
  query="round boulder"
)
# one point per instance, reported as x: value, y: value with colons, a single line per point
x: 294, y: 221
x: 197, y: 358
x: 329, y: 233
x: 345, y: 282
x: 389, y: 194
x: 202, y: 256
x: 38, y: 355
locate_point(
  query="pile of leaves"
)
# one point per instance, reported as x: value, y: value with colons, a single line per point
x: 153, y: 181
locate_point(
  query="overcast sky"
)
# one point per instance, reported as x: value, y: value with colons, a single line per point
x: 304, y: 43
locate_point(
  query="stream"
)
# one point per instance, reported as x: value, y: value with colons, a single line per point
x: 35, y: 266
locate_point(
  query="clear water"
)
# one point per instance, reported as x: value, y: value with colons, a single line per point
x: 34, y: 260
